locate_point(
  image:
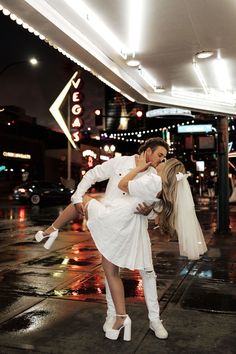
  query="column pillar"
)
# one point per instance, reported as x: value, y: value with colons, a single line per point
x: 223, y: 177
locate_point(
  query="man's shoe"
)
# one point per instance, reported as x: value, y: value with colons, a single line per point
x: 159, y: 329
x: 108, y: 324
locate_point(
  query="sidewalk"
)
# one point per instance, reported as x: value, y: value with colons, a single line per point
x: 54, y: 302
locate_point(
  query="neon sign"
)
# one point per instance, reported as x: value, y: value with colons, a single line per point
x: 76, y: 110
x: 76, y: 123
x: 55, y: 110
x: 71, y: 133
x: 90, y: 162
x: 16, y: 155
x: 2, y: 168
x: 91, y: 156
x: 76, y: 136
x: 86, y: 153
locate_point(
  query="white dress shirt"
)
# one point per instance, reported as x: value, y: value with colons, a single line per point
x: 113, y: 170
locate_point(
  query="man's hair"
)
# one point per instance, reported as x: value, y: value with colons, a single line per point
x: 153, y: 143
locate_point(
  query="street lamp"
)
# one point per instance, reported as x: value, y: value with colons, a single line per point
x: 109, y: 149
x: 32, y: 61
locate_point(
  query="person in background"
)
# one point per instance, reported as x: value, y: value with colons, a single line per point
x: 210, y: 188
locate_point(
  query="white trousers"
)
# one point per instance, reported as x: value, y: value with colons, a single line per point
x: 150, y: 294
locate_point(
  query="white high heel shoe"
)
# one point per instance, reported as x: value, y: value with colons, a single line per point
x: 39, y: 236
x: 113, y: 334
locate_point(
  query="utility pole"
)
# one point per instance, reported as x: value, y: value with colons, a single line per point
x: 223, y: 177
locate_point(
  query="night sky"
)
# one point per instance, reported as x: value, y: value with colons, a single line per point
x: 35, y: 88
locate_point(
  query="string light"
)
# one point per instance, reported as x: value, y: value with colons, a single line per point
x: 140, y: 134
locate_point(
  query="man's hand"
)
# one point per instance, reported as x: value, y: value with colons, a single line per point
x: 80, y: 209
x: 144, y: 209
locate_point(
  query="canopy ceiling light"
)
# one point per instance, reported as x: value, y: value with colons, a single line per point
x: 222, y: 75
x: 159, y: 89
x: 200, y: 76
x: 204, y: 54
x: 133, y: 62
x: 147, y: 78
x: 213, y: 97
x: 224, y: 93
x: 97, y: 25
x: 135, y: 11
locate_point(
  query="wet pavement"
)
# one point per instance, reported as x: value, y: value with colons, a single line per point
x: 53, y: 301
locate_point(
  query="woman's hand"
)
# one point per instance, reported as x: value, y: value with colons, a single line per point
x: 141, y: 162
x: 79, y: 207
x: 141, y: 165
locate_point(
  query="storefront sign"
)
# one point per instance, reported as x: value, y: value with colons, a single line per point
x: 161, y: 112
x: 104, y: 157
x: 16, y: 155
x: 198, y: 128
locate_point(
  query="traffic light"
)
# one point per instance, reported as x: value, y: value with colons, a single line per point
x: 139, y: 114
x: 98, y: 117
x: 136, y: 113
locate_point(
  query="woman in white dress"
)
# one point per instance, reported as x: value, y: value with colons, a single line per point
x: 123, y: 240
x: 119, y: 233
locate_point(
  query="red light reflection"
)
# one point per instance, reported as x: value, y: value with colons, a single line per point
x: 21, y: 214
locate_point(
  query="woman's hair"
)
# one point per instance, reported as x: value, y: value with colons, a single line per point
x: 169, y: 192
x: 153, y: 144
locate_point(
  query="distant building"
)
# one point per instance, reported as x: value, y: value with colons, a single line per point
x: 32, y: 152
x: 23, y: 146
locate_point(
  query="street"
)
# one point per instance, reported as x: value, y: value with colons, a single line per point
x: 24, y: 219
x: 54, y: 301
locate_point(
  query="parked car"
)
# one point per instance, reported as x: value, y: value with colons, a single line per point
x: 37, y: 192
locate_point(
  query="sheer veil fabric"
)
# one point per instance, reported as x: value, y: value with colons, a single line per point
x: 191, y: 240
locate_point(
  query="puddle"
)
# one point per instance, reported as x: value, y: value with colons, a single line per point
x: 29, y: 243
x: 95, y: 286
x: 211, y: 296
x: 55, y: 260
x: 24, y: 322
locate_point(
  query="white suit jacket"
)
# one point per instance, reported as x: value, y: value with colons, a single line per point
x: 113, y: 170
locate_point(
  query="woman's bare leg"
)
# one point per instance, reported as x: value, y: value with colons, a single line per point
x: 86, y: 199
x: 117, y: 290
x: 68, y: 214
